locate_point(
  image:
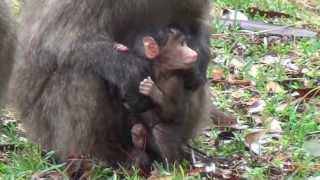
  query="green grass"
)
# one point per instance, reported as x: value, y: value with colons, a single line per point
x: 298, y: 118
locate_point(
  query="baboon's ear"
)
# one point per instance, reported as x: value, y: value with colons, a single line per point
x: 151, y: 48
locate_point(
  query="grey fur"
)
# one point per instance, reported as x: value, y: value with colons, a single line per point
x: 7, y: 48
x: 68, y: 81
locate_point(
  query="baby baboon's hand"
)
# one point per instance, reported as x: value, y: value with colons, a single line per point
x: 120, y: 47
x: 147, y: 87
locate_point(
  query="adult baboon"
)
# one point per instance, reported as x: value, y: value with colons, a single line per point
x: 69, y: 83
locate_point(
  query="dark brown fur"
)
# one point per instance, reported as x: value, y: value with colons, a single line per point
x: 164, y: 122
x: 7, y: 48
x: 138, y: 155
x: 69, y: 83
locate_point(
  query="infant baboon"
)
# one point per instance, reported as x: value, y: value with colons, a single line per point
x: 171, y: 57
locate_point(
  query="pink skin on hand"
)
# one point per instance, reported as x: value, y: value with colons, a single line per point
x: 120, y: 47
x: 146, y: 86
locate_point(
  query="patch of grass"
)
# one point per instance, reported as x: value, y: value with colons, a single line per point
x: 298, y: 125
x: 232, y: 148
x: 258, y: 173
x: 298, y: 119
x: 26, y: 163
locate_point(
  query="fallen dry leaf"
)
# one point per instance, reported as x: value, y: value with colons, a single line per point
x: 280, y: 155
x: 275, y: 126
x: 270, y: 14
x: 252, y: 101
x: 271, y: 59
x: 274, y: 87
x: 308, y: 93
x: 257, y: 107
x: 290, y: 66
x: 218, y: 74
x: 233, y: 82
x: 237, y: 94
x: 252, y: 140
x: 215, y: 11
x: 232, y: 15
x: 237, y: 63
x: 239, y: 82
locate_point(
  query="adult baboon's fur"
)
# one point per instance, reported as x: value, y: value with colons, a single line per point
x: 7, y: 48
x: 69, y: 83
